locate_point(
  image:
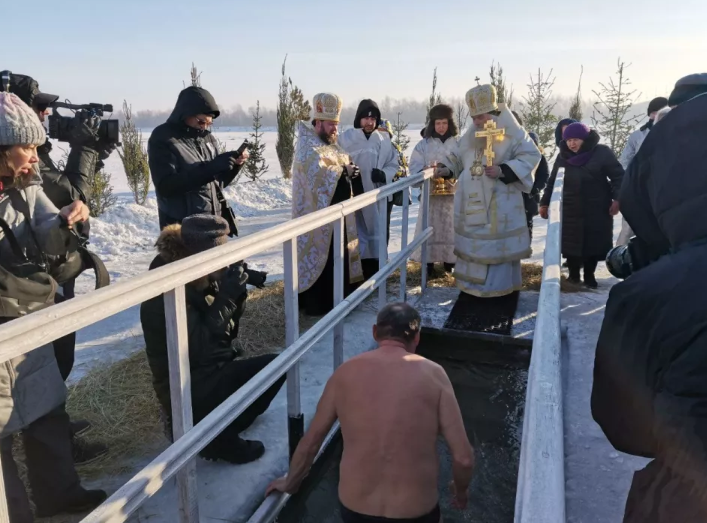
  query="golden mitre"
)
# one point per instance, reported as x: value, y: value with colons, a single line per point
x: 327, y: 107
x: 482, y: 99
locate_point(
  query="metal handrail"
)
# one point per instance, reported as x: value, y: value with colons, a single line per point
x: 540, y: 494
x: 25, y: 334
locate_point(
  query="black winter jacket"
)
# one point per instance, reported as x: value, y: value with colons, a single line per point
x: 531, y: 201
x: 212, y: 322
x: 587, y: 226
x: 650, y: 373
x: 185, y: 181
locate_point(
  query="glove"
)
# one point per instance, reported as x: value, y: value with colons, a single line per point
x: 256, y: 278
x: 232, y: 284
x: 105, y: 150
x: 224, y: 162
x: 85, y: 130
x: 378, y: 176
x: 442, y: 171
x: 351, y: 171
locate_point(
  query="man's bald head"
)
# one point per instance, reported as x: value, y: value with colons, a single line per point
x: 398, y: 322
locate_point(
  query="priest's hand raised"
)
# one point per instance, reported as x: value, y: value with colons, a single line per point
x: 493, y: 171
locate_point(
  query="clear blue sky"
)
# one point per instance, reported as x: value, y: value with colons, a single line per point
x: 142, y: 50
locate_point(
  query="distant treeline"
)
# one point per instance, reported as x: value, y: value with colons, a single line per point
x: 412, y: 111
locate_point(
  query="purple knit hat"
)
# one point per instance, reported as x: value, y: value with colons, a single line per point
x: 576, y: 130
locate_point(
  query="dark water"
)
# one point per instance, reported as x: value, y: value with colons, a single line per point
x: 489, y: 382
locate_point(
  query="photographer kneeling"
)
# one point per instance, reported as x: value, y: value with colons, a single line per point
x: 215, y: 304
x: 64, y: 188
x: 32, y: 392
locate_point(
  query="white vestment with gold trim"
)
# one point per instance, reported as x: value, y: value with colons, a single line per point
x: 491, y: 232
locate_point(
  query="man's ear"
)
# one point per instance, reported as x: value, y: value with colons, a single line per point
x: 375, y: 332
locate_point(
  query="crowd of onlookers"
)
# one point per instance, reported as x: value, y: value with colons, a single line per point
x: 649, y: 395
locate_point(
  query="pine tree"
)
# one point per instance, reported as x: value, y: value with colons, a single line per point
x: 537, y: 109
x: 399, y: 138
x: 611, y: 117
x: 195, y: 76
x: 503, y: 92
x: 576, y: 107
x: 292, y: 107
x: 255, y: 165
x: 435, y: 97
x: 461, y: 114
x: 101, y: 193
x: 134, y: 157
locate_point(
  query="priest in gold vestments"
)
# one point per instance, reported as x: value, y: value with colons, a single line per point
x: 491, y: 232
x: 323, y: 175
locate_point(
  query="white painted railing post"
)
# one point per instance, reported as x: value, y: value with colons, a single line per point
x: 175, y: 308
x: 423, y: 215
x: 540, y: 493
x: 382, y: 249
x: 403, y: 244
x: 339, y: 276
x: 295, y: 418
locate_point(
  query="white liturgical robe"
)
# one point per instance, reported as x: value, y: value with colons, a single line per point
x: 374, y: 152
x: 491, y: 232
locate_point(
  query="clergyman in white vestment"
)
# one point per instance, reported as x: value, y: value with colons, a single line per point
x: 374, y: 154
x: 491, y: 232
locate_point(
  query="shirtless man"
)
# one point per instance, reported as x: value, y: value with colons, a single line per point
x: 392, y: 405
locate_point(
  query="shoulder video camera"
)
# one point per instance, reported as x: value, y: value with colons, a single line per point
x: 61, y: 127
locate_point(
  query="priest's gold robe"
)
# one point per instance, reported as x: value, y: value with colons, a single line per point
x: 316, y: 172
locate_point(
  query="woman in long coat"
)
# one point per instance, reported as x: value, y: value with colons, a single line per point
x: 589, y: 202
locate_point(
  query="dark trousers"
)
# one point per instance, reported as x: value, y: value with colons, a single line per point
x: 50, y: 468
x: 219, y: 386
x: 65, y: 348
x: 319, y: 298
x: 576, y: 264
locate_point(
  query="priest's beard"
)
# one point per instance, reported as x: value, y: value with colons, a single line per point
x: 328, y: 138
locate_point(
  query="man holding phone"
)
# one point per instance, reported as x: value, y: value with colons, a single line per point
x: 188, y: 172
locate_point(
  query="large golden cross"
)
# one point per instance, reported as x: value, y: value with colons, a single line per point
x: 490, y: 133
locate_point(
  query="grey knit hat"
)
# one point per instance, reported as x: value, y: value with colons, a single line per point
x: 201, y: 232
x: 19, y: 125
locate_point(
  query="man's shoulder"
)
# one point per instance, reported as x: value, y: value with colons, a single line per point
x: 162, y: 132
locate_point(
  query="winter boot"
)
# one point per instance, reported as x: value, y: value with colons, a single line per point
x: 240, y: 452
x: 430, y: 271
x: 574, y: 265
x: 589, y: 280
x: 84, y: 501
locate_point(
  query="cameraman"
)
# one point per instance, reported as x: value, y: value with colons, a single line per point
x: 187, y: 170
x: 64, y: 188
x: 650, y: 372
x: 32, y: 392
x: 215, y: 304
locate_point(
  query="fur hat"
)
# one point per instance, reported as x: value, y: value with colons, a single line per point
x: 197, y: 233
x: 327, y: 107
x: 19, y: 125
x: 441, y: 112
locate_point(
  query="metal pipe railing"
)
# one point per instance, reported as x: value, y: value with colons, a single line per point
x: 540, y: 494
x: 153, y: 477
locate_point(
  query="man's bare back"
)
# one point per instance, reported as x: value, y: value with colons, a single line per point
x: 392, y: 406
x: 388, y: 405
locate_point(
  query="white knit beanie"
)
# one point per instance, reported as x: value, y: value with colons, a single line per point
x: 19, y: 125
